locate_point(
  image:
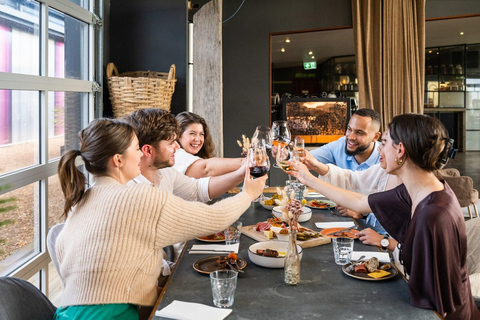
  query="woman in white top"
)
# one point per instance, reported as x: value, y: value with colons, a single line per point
x: 196, y: 158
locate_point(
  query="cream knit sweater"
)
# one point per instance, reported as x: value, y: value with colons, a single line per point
x: 110, y: 250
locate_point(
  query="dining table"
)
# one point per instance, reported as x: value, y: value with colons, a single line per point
x: 325, y: 291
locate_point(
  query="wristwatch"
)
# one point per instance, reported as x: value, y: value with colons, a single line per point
x: 364, y: 215
x: 384, y: 243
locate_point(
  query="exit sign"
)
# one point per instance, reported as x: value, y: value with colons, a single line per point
x: 309, y: 65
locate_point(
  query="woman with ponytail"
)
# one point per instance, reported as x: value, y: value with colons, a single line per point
x: 110, y: 249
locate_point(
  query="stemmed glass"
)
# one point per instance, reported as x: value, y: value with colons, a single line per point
x: 262, y: 133
x: 299, y: 149
x: 258, y: 161
x: 282, y: 156
x: 280, y: 135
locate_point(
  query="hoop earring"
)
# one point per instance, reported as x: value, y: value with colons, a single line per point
x: 399, y: 161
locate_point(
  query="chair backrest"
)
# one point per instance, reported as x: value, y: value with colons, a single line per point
x: 462, y: 186
x: 21, y: 300
x: 51, y: 240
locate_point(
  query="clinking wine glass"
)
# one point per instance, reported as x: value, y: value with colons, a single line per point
x: 262, y: 133
x: 282, y: 157
x: 280, y: 135
x: 258, y: 161
x: 299, y: 149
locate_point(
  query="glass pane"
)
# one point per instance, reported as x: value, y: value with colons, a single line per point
x: 67, y: 46
x: 19, y: 37
x: 473, y: 119
x: 473, y: 140
x: 55, y: 287
x: 82, y: 3
x: 35, y: 280
x: 55, y: 202
x: 451, y: 100
x: 64, y: 121
x: 19, y: 227
x: 19, y: 131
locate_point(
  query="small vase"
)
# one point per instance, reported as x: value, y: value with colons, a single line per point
x: 292, y: 260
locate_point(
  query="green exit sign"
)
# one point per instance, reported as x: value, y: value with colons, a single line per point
x: 309, y: 65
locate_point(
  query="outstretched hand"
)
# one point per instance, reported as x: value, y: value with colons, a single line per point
x: 300, y: 171
x: 253, y: 187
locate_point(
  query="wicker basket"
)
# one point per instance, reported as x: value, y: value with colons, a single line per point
x: 139, y: 90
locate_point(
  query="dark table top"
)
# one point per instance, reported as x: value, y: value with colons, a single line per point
x: 324, y: 292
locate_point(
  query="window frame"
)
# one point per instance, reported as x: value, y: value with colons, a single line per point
x: 44, y: 84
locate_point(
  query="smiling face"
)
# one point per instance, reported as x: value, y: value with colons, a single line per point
x: 388, y: 153
x: 192, y: 138
x: 131, y: 160
x: 165, y: 153
x: 360, y: 136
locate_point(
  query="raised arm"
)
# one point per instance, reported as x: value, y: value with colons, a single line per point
x: 355, y: 201
x: 213, y: 167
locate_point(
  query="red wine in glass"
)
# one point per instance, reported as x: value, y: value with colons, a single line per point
x: 258, y: 171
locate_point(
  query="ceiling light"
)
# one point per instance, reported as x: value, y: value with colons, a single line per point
x: 313, y: 57
x: 287, y: 40
x: 283, y: 49
x: 310, y: 52
x: 429, y: 51
x: 461, y: 33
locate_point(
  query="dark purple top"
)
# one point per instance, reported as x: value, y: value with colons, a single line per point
x: 433, y: 249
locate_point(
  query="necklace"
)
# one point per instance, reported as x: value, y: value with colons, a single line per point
x: 414, y: 198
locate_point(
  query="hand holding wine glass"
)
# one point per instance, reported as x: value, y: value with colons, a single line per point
x: 258, y: 161
x: 299, y: 149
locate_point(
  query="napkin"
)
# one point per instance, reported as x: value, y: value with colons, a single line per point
x: 192, y: 311
x: 214, y: 248
x: 314, y: 194
x: 381, y: 256
x: 336, y: 224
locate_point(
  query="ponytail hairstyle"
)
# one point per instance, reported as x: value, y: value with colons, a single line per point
x: 425, y: 139
x: 187, y: 118
x: 99, y: 141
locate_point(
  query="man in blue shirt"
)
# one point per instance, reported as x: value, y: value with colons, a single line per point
x: 358, y: 150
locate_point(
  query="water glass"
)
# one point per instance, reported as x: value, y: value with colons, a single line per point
x: 232, y: 233
x: 342, y: 250
x: 224, y: 283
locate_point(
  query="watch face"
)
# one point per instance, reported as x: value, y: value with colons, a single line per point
x: 384, y: 242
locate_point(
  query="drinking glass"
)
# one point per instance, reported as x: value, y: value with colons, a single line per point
x: 280, y: 135
x: 282, y: 157
x: 223, y: 283
x: 342, y: 250
x: 299, y: 149
x: 258, y: 161
x: 262, y: 133
x: 233, y: 233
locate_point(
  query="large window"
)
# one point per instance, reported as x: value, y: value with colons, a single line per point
x: 47, y: 80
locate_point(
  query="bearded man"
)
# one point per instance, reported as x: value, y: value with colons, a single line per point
x: 358, y: 150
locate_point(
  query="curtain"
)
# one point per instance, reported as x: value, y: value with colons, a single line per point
x: 389, y: 40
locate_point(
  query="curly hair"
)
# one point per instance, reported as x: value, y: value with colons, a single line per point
x: 424, y: 137
x: 187, y: 118
x: 152, y: 125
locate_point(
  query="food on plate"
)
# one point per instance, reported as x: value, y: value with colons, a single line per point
x: 229, y: 261
x: 216, y: 236
x: 360, y: 268
x: 271, y: 201
x: 270, y: 253
x: 378, y: 274
x: 318, y: 204
x: 262, y: 226
x: 283, y: 231
x: 385, y: 267
x: 372, y: 264
x: 268, y: 234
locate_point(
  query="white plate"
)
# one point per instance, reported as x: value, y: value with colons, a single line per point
x: 262, y: 203
x: 305, y: 216
x: 270, y: 262
x: 331, y: 204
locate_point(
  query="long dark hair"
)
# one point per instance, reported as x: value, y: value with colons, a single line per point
x: 187, y: 118
x: 424, y: 137
x: 99, y: 141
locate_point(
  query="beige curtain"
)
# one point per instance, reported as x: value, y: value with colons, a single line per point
x: 389, y: 40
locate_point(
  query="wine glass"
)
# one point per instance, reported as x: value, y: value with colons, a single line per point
x: 280, y: 135
x: 282, y: 157
x: 258, y: 161
x: 262, y: 133
x: 299, y: 149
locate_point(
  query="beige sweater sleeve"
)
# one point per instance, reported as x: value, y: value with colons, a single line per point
x: 180, y: 220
